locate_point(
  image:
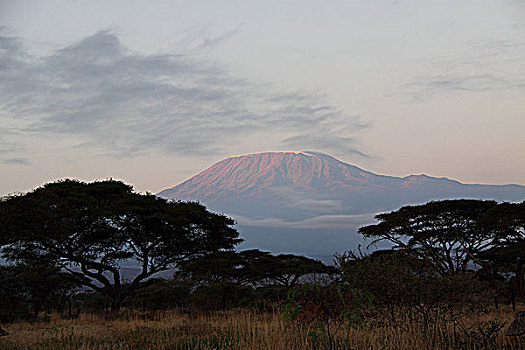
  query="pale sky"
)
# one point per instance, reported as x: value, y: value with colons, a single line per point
x: 152, y: 92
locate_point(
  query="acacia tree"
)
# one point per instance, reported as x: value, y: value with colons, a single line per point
x: 400, y: 280
x: 237, y: 268
x: 252, y: 267
x: 447, y: 232
x: 89, y: 229
x: 287, y: 269
x: 36, y: 281
x: 507, y: 222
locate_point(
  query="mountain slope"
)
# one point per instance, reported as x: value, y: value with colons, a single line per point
x: 311, y: 193
x: 247, y: 175
x: 294, y: 177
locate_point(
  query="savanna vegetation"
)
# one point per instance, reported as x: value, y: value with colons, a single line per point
x: 452, y: 279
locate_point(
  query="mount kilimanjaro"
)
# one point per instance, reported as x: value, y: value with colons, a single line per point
x: 312, y: 203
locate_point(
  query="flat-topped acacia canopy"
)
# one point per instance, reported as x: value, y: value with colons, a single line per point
x: 95, y: 226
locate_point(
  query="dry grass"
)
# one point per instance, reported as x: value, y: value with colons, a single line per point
x: 246, y: 329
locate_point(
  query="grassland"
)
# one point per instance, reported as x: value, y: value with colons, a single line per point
x: 250, y: 329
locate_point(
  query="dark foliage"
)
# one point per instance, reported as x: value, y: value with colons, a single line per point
x: 401, y: 281
x: 31, y: 286
x: 507, y: 256
x: 90, y: 229
x: 446, y: 232
x: 449, y: 258
x: 251, y: 268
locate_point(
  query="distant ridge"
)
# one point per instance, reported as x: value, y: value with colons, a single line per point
x: 309, y: 190
x: 309, y: 174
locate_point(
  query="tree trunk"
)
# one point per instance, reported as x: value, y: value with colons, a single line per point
x: 116, y: 296
x: 116, y: 304
x: 489, y: 272
x: 38, y: 303
x: 518, y: 280
x: 36, y: 311
x: 116, y: 299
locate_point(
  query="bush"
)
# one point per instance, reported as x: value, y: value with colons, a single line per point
x: 406, y: 286
x: 161, y: 294
x: 327, y: 308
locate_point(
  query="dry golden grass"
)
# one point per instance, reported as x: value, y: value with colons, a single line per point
x: 246, y: 329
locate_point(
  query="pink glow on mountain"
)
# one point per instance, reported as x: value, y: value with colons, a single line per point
x: 253, y: 175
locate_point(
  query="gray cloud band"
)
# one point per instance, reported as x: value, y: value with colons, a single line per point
x: 483, y: 65
x: 316, y: 222
x: 125, y: 103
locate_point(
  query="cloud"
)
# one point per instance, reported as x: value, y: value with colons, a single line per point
x: 8, y: 147
x: 328, y: 205
x: 483, y: 65
x: 214, y: 41
x: 9, y: 151
x: 326, y: 140
x: 20, y: 161
x: 317, y: 222
x: 123, y: 103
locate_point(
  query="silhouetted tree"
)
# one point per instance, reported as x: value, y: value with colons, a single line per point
x: 12, y: 302
x: 31, y: 284
x: 252, y: 267
x: 89, y: 229
x: 507, y: 222
x: 446, y: 232
x: 227, y: 278
x: 287, y: 269
x: 402, y: 281
x: 39, y: 280
x: 160, y: 294
x: 238, y: 268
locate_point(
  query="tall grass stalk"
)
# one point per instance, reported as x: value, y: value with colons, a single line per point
x: 251, y: 329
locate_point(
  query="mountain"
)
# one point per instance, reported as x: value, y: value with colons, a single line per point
x: 310, y: 202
